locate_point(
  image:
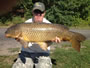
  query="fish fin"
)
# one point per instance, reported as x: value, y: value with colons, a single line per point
x: 18, y: 35
x: 76, y: 40
x: 76, y: 44
x: 22, y: 40
x: 24, y: 43
x: 43, y: 45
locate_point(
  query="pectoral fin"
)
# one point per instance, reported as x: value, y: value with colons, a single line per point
x: 22, y: 41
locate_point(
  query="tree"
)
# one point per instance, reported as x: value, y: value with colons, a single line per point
x: 67, y: 12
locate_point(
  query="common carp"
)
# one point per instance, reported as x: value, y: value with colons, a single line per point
x: 41, y: 32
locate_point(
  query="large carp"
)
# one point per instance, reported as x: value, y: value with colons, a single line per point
x: 37, y: 32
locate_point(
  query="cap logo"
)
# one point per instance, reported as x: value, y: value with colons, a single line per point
x: 37, y: 4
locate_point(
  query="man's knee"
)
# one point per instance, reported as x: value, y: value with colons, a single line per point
x: 44, y: 62
x: 20, y: 64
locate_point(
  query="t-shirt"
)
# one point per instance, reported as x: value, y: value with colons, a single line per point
x: 32, y: 46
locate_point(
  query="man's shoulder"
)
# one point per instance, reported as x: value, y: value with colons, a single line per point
x: 29, y: 20
x: 46, y: 21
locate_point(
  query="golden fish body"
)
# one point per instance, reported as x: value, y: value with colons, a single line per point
x: 37, y: 32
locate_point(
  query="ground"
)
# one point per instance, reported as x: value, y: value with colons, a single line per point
x: 10, y: 46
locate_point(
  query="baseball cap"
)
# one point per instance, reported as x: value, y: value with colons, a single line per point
x: 39, y: 6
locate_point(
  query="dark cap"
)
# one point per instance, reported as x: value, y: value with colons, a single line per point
x: 39, y: 6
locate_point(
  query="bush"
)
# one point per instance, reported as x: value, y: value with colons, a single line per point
x: 66, y: 12
x: 17, y: 20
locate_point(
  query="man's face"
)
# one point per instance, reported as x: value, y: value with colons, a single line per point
x: 38, y: 16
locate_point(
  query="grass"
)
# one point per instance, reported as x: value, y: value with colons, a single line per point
x: 13, y: 49
x: 7, y: 61
x: 71, y: 58
x: 62, y: 57
x: 80, y: 27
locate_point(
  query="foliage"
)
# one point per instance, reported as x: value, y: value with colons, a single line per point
x: 27, y: 5
x: 11, y: 21
x: 67, y: 12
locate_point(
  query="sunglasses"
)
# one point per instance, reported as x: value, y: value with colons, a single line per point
x: 38, y: 12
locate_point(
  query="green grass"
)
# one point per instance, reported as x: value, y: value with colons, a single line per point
x: 71, y: 58
x: 64, y: 58
x: 7, y: 61
x: 13, y: 49
x: 80, y: 27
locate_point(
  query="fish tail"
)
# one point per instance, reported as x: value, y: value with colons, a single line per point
x: 75, y: 38
x: 75, y: 44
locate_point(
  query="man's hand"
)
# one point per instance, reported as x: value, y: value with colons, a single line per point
x: 57, y: 40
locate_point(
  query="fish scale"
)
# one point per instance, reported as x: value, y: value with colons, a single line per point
x: 40, y: 36
x: 40, y: 33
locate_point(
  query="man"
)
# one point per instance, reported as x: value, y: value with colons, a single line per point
x: 34, y: 56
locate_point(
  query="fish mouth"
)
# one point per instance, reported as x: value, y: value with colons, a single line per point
x: 10, y: 36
